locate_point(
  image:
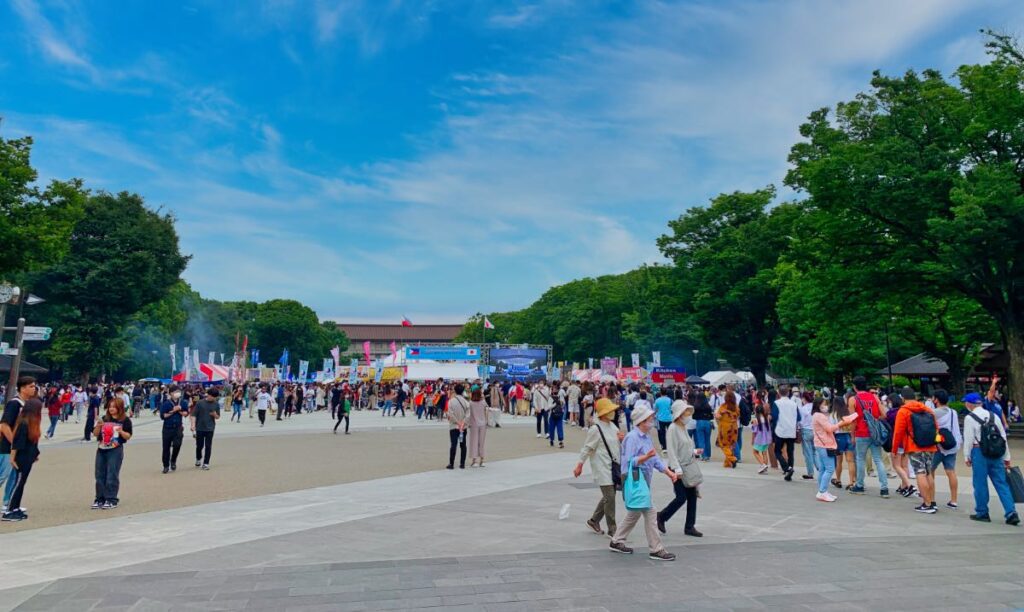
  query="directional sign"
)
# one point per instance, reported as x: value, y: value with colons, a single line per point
x: 9, y: 351
x: 35, y: 337
x: 38, y: 330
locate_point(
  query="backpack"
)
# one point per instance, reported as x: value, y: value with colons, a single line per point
x: 879, y: 431
x: 745, y: 412
x: 990, y: 441
x: 923, y: 429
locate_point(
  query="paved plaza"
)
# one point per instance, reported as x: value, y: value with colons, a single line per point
x: 491, y: 539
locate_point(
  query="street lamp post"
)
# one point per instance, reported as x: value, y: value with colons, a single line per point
x: 696, y: 367
x: 888, y: 359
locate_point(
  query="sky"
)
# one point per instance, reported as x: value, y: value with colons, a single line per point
x: 430, y: 158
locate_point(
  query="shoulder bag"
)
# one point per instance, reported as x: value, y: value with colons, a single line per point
x: 616, y: 466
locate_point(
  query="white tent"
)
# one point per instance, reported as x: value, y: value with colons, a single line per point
x: 432, y: 370
x: 728, y: 377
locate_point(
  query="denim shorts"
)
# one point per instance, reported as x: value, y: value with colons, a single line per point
x: 948, y: 462
x: 844, y: 443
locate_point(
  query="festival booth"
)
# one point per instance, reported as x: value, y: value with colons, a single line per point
x: 214, y: 373
x: 728, y: 377
x: 426, y: 362
x: 433, y: 370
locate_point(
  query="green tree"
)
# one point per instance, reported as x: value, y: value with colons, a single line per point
x: 122, y: 257
x: 922, y: 178
x: 287, y: 324
x: 726, y: 257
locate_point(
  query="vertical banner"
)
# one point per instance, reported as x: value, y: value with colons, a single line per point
x: 353, y: 371
x: 174, y: 358
x: 277, y: 371
x: 213, y: 355
x: 378, y: 371
x: 336, y: 355
x: 656, y: 358
x: 327, y: 373
x: 255, y: 357
x: 222, y: 359
x: 394, y: 352
x: 184, y: 363
x: 636, y: 360
x: 194, y: 363
x: 590, y: 363
x: 303, y: 370
x: 366, y: 351
x: 609, y: 365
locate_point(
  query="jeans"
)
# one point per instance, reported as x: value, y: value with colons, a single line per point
x: 629, y: 419
x: 702, y: 439
x: 236, y: 411
x: 204, y: 446
x: 53, y: 426
x: 457, y: 438
x: 826, y: 466
x: 108, y: 473
x: 861, y: 446
x: 20, y: 477
x: 737, y: 450
x: 684, y: 496
x: 387, y: 408
x: 171, y: 446
x: 807, y: 446
x: 342, y: 416
x: 555, y: 425
x: 90, y: 423
x: 983, y: 469
x: 7, y: 477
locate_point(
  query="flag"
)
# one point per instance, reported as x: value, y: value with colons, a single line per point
x: 284, y: 357
x: 194, y: 364
x: 245, y: 343
x: 636, y: 360
x: 488, y: 324
x: 213, y: 355
x: 174, y: 357
x: 656, y: 357
x: 406, y: 322
x: 336, y: 354
x: 255, y: 357
x: 366, y: 351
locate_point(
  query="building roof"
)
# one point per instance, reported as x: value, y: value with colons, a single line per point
x: 415, y: 333
x: 25, y: 368
x: 919, y: 365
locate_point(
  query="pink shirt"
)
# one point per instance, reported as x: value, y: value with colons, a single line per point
x: 824, y: 431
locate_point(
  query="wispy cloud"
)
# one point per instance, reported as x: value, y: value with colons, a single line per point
x: 53, y: 44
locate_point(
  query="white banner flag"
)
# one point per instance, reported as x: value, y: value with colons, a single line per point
x: 174, y: 357
x: 656, y: 358
x: 636, y: 360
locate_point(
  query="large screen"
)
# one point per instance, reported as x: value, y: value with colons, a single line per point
x: 526, y: 364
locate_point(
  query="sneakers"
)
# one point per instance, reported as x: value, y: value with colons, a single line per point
x: 789, y: 475
x: 807, y: 477
x: 763, y: 468
x: 1013, y: 519
x: 923, y: 509
x: 174, y: 467
x: 982, y: 518
x: 619, y: 547
x: 540, y: 435
x: 594, y: 526
x: 198, y: 463
x: 825, y: 497
x: 206, y: 466
x: 855, y: 490
x: 166, y: 470
x: 661, y: 555
x: 14, y: 516
x: 885, y: 493
x: 951, y: 505
x: 107, y: 506
x: 97, y: 505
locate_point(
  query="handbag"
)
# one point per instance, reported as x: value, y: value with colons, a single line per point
x: 1016, y: 481
x: 635, y: 492
x: 616, y: 466
x: 691, y: 474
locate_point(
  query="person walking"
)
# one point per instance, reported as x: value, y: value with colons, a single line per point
x: 204, y: 415
x: 601, y: 449
x: 556, y: 422
x: 804, y: 418
x: 172, y: 411
x: 946, y: 457
x: 541, y: 402
x: 663, y: 412
x: 785, y: 417
x: 262, y: 403
x: 92, y: 412
x: 458, y: 411
x: 682, y: 461
x: 638, y: 451
x: 344, y: 410
x: 983, y: 431
x: 53, y: 410
x: 113, y: 432
x: 26, y: 389
x: 24, y: 454
x: 761, y: 435
x: 728, y: 428
x: 703, y: 415
x: 236, y: 404
x: 823, y: 430
x: 477, y: 427
x: 844, y: 443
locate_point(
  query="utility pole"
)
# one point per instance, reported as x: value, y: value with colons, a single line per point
x: 12, y: 381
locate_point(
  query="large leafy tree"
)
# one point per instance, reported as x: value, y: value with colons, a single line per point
x: 35, y: 223
x: 287, y: 324
x: 122, y: 257
x: 922, y: 179
x: 726, y: 256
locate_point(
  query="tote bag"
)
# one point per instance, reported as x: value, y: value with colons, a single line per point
x: 635, y: 492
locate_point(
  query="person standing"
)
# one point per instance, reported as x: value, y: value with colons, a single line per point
x: 702, y: 418
x: 728, y: 428
x: 572, y: 395
x: 682, y: 461
x: 785, y: 417
x: 541, y: 402
x: 761, y: 435
x: 981, y: 455
x: 638, y: 450
x: 824, y: 427
x: 204, y: 415
x: 236, y: 403
x: 171, y: 413
x: 27, y: 389
x: 914, y: 431
x: 113, y: 432
x: 477, y: 427
x: 458, y: 410
x: 556, y: 421
x: 804, y: 412
x: 24, y: 454
x: 946, y: 457
x: 863, y: 402
x: 262, y: 404
x: 601, y: 448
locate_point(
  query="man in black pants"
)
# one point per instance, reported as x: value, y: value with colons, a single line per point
x: 93, y: 409
x: 204, y: 419
x: 171, y: 412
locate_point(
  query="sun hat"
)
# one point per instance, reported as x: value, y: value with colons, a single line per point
x: 678, y: 408
x: 641, y: 414
x: 972, y: 398
x: 604, y: 406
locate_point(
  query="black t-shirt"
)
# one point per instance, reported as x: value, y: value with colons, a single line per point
x: 10, y: 416
x: 27, y: 449
x: 126, y: 427
x: 94, y: 405
x: 204, y: 412
x: 172, y: 422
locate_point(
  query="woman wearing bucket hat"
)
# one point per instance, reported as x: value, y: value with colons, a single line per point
x: 638, y: 450
x: 683, y: 463
x: 602, y: 449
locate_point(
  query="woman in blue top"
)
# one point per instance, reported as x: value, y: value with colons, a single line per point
x: 638, y: 447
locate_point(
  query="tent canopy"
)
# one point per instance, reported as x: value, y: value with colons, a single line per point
x: 25, y: 368
x: 696, y: 380
x: 728, y: 377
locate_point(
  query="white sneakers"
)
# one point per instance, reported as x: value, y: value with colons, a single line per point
x: 825, y: 497
x: 763, y: 468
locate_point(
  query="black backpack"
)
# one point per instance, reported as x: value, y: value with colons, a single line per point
x: 990, y: 441
x: 922, y: 425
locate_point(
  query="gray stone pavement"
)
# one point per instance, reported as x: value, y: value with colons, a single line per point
x: 768, y: 545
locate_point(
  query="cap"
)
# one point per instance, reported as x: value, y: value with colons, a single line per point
x: 972, y: 398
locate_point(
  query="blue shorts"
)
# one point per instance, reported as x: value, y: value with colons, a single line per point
x: 844, y: 443
x: 948, y: 462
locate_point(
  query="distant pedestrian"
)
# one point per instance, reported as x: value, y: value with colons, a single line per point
x: 477, y: 427
x: 344, y: 410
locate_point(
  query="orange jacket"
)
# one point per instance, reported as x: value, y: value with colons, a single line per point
x: 903, y: 434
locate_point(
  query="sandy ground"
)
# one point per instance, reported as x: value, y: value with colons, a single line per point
x: 61, y: 486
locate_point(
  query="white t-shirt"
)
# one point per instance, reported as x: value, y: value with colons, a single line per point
x: 262, y: 400
x: 785, y: 427
x: 805, y: 416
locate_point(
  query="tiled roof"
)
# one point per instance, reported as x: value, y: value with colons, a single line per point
x: 416, y: 333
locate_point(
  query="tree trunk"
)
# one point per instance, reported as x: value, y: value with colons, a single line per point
x: 839, y: 383
x: 1015, y: 347
x: 759, y: 372
x: 957, y: 379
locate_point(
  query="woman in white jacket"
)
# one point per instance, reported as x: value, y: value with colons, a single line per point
x: 601, y: 448
x: 682, y: 462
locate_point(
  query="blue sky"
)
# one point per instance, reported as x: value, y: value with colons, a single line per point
x: 435, y: 158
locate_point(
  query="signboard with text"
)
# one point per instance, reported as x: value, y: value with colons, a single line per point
x: 442, y: 353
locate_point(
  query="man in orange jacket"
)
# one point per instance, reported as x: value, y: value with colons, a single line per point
x: 915, y: 432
